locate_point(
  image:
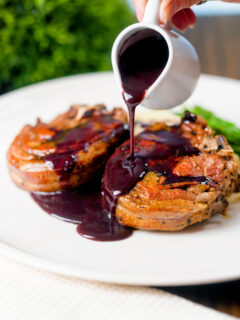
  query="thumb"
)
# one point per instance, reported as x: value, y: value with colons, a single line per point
x: 169, y: 7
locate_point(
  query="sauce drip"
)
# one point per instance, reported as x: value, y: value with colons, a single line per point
x: 83, y: 207
x: 141, y: 60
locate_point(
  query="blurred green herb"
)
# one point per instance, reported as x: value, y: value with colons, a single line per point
x: 43, y: 39
x: 226, y: 128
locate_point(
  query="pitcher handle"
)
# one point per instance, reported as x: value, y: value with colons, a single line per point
x: 152, y: 11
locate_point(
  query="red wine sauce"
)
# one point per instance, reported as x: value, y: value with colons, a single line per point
x: 156, y: 151
x: 131, y: 113
x: 83, y: 207
x: 69, y: 142
x: 92, y: 207
x: 142, y: 58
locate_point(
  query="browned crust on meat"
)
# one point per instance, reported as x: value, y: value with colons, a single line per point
x: 27, y: 166
x: 151, y: 205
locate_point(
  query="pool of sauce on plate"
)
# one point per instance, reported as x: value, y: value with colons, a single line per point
x: 83, y: 207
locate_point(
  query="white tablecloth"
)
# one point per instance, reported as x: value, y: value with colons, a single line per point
x: 30, y: 294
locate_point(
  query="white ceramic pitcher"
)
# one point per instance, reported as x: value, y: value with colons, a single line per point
x: 178, y: 79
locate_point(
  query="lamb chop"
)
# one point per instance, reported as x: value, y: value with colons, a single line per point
x: 180, y: 175
x: 69, y: 151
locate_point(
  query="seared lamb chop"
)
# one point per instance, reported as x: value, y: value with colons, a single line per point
x: 189, y: 172
x: 69, y: 151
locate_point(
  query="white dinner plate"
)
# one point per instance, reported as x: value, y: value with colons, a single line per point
x: 204, y: 253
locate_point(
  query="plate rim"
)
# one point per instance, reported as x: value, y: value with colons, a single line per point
x: 31, y: 260
x: 49, y: 265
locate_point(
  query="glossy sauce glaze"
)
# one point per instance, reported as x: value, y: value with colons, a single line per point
x: 69, y: 142
x: 92, y: 208
x: 156, y: 151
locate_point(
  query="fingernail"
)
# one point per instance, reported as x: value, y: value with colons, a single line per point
x: 192, y: 26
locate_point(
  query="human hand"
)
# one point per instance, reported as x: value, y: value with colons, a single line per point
x: 178, y: 11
